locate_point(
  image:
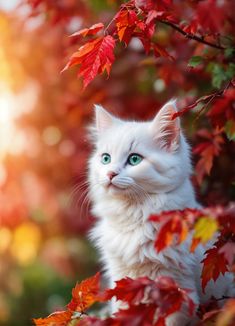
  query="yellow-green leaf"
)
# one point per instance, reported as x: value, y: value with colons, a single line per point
x: 205, y: 228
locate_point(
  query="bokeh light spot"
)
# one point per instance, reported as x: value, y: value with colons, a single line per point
x: 25, y: 244
x: 51, y: 135
x: 5, y: 239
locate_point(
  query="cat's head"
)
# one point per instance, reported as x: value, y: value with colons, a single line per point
x: 136, y: 159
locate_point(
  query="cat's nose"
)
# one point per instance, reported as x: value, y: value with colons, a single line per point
x: 111, y: 175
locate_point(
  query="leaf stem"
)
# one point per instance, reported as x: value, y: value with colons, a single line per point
x: 192, y: 36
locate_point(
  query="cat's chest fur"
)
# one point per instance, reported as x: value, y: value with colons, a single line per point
x: 125, y: 238
x: 124, y: 245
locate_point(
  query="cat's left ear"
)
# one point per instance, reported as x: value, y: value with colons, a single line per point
x: 165, y: 130
x: 103, y: 118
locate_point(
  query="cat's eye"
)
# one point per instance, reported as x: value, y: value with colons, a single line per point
x: 134, y: 159
x: 105, y: 158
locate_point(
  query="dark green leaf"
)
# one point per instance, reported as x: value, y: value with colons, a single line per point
x: 195, y: 61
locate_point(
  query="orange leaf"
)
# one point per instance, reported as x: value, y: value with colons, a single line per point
x: 89, y: 31
x: 174, y: 230
x: 126, y: 23
x: 59, y: 318
x: 85, y: 294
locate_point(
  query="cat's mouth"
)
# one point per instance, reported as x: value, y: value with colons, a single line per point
x: 112, y: 187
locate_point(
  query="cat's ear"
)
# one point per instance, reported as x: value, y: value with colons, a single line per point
x: 165, y: 130
x: 103, y: 119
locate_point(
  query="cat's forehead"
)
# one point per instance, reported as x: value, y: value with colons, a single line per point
x: 124, y: 137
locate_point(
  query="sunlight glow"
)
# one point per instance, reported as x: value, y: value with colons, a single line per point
x: 13, y: 106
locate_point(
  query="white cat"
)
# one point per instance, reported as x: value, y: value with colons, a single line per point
x: 138, y: 169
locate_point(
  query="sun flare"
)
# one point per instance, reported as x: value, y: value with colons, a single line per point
x: 12, y: 107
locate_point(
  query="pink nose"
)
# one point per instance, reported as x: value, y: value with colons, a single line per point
x: 111, y: 175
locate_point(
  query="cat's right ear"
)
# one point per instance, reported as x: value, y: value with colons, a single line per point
x: 104, y: 120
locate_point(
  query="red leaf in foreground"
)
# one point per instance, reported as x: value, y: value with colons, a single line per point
x: 128, y: 290
x: 59, y: 318
x: 163, y: 293
x: 214, y: 264
x: 85, y: 294
x: 135, y: 315
x: 173, y: 231
x: 89, y: 31
x: 94, y: 58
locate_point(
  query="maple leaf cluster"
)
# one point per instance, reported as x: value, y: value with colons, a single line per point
x: 146, y: 302
x: 212, y: 223
x: 149, y: 302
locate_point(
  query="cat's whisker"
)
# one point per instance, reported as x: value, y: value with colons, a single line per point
x: 83, y: 198
x: 77, y: 189
x: 143, y: 192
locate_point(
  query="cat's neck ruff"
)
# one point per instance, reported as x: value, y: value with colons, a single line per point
x: 125, y: 213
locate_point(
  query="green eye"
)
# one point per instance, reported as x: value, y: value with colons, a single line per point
x: 106, y: 158
x: 134, y: 159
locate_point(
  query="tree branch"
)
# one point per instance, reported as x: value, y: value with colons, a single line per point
x: 192, y: 36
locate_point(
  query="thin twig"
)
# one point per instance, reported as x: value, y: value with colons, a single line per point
x: 217, y: 94
x: 192, y: 36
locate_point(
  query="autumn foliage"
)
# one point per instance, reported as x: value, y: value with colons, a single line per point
x: 211, y: 53
x: 144, y: 298
x: 170, y: 48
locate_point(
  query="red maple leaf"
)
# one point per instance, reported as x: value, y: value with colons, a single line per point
x: 94, y: 57
x: 214, y: 264
x: 59, y: 318
x: 207, y: 150
x: 94, y: 29
x: 128, y: 290
x: 85, y: 294
x: 126, y: 20
x: 223, y: 109
x: 173, y: 230
x: 163, y: 292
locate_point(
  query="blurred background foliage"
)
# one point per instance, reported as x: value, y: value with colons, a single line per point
x: 44, y: 210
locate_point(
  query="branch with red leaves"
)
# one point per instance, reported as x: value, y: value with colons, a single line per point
x: 200, y: 39
x: 135, y: 18
x: 147, y: 302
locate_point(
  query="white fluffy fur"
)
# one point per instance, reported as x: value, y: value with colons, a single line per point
x: 161, y: 182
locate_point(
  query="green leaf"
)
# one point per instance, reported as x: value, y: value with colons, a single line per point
x: 230, y: 129
x: 229, y: 52
x: 218, y: 75
x: 231, y: 70
x: 195, y: 61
